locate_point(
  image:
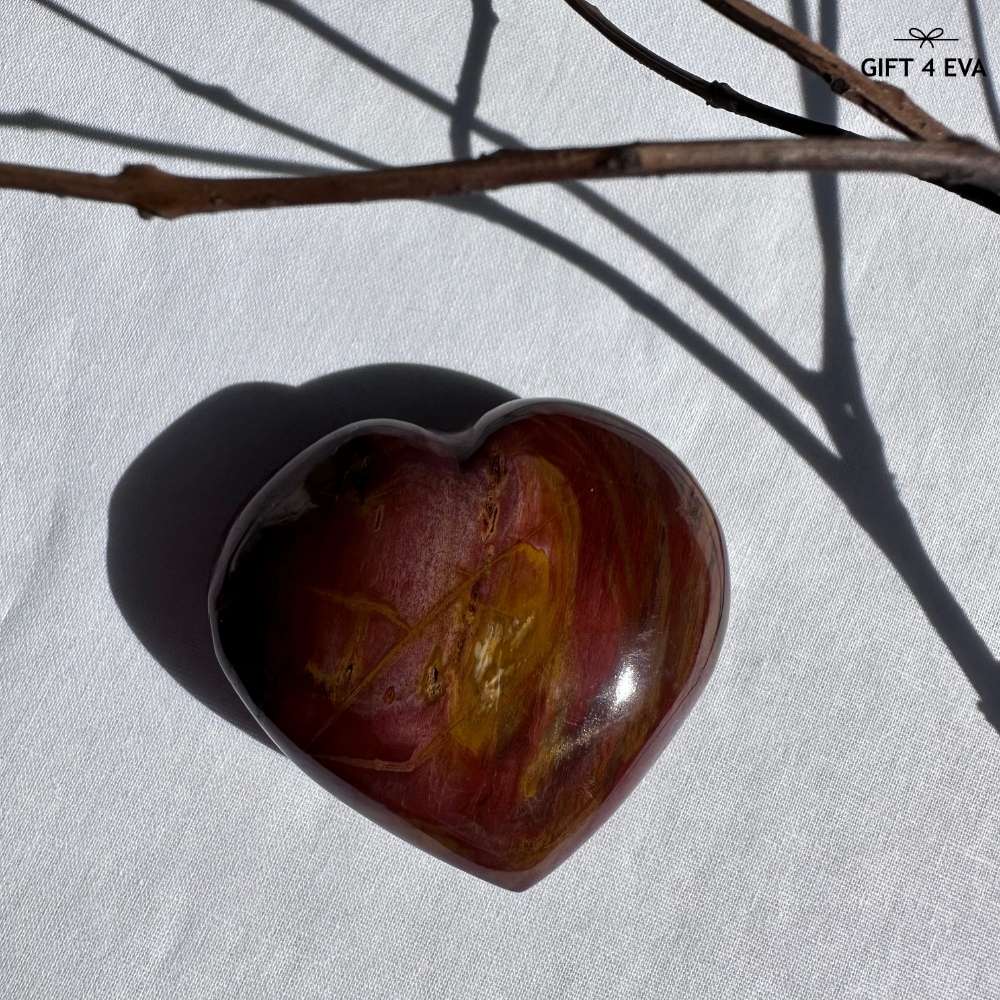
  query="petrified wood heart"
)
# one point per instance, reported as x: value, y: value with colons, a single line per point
x: 483, y: 640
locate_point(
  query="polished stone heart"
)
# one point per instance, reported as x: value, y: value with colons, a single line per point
x: 481, y: 640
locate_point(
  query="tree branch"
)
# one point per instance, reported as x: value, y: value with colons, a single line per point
x: 154, y: 192
x: 714, y: 93
x: 886, y: 100
x: 883, y: 101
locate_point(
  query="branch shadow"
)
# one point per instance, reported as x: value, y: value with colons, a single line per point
x: 38, y: 121
x: 864, y: 480
x: 857, y: 472
x: 989, y: 90
x: 470, y: 80
x: 170, y: 511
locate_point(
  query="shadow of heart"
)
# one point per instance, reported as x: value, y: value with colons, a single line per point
x: 170, y: 511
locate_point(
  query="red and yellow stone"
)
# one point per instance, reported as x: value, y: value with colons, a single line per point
x: 482, y: 641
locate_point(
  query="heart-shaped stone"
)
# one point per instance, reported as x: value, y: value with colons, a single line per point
x: 481, y: 640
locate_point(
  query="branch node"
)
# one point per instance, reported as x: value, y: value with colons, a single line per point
x: 720, y: 95
x: 141, y: 173
x: 623, y: 160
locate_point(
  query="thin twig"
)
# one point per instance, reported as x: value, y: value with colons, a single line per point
x: 154, y: 192
x: 883, y: 101
x: 715, y: 93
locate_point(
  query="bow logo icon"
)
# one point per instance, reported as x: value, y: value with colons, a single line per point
x: 926, y: 37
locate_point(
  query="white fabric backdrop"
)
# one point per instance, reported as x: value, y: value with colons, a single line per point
x: 825, y: 824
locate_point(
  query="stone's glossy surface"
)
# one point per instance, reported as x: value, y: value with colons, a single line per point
x: 481, y: 641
